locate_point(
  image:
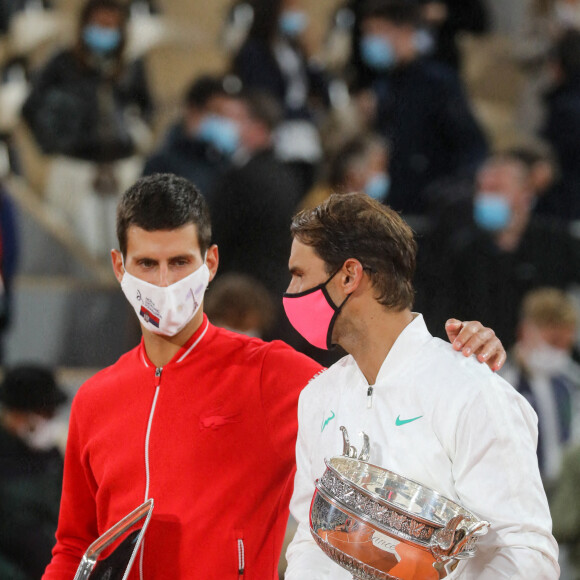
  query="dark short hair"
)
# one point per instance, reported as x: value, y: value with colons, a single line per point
x: 163, y: 201
x: 204, y: 88
x: 399, y: 12
x: 353, y: 225
x: 92, y: 6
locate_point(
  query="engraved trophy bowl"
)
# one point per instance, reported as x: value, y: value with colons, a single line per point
x: 378, y: 524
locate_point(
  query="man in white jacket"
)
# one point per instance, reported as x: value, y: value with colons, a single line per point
x: 431, y: 414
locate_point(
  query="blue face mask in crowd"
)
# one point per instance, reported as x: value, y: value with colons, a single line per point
x: 101, y: 40
x: 292, y: 22
x: 378, y: 186
x: 220, y: 132
x: 424, y: 41
x: 377, y: 52
x: 491, y: 211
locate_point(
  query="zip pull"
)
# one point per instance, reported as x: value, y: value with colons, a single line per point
x: 158, y: 372
x: 370, y: 398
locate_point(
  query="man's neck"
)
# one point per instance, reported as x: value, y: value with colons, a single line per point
x: 370, y: 339
x: 161, y: 349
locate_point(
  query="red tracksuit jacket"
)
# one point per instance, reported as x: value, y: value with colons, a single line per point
x: 223, y: 421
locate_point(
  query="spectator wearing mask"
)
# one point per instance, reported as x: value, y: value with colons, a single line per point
x: 507, y: 252
x: 440, y: 23
x: 444, y: 20
x: 361, y: 164
x: 275, y: 58
x: 418, y: 104
x: 253, y: 203
x: 89, y: 107
x: 31, y: 473
x: 449, y: 211
x: 200, y: 145
x: 541, y: 368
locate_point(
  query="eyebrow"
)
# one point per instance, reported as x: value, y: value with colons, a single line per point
x: 170, y: 259
x: 182, y: 257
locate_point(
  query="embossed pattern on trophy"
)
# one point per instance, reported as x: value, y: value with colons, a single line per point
x: 379, y: 525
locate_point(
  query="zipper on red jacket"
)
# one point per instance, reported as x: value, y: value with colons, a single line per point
x: 158, y: 372
x: 241, y: 559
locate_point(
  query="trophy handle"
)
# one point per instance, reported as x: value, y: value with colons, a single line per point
x: 464, y: 546
x: 366, y: 449
x: 456, y: 540
x: 349, y: 450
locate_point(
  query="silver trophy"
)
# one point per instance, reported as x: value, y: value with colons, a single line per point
x: 378, y: 524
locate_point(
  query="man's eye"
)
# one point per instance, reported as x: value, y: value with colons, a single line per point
x: 146, y: 263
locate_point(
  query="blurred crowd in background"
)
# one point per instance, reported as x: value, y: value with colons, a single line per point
x: 469, y: 128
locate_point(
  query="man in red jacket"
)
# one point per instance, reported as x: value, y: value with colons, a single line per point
x: 201, y: 419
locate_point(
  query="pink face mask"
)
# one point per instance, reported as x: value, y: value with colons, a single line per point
x: 313, y: 314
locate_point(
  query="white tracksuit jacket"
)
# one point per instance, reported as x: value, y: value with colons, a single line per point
x: 446, y: 421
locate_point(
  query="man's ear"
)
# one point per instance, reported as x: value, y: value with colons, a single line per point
x: 117, y: 261
x: 212, y: 260
x: 352, y: 273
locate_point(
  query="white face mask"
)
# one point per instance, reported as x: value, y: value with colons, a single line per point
x: 166, y: 310
x: 547, y: 360
x: 41, y: 434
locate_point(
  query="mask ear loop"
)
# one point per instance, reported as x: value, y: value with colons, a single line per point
x: 329, y: 344
x: 337, y: 309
